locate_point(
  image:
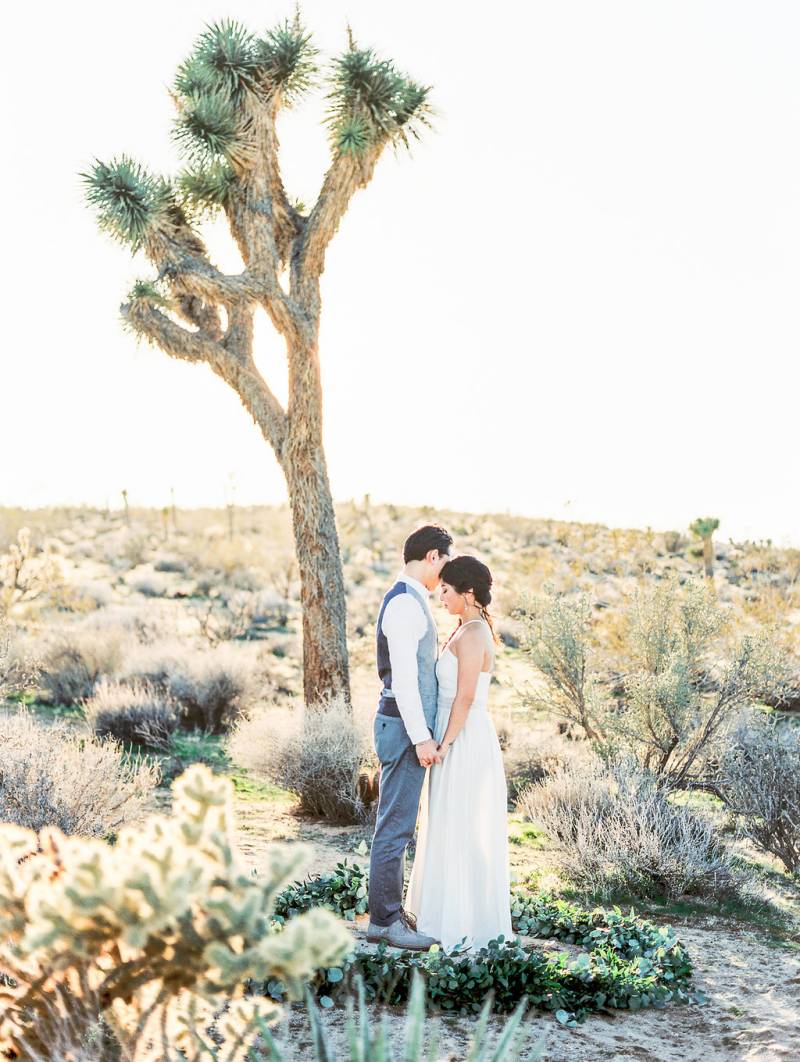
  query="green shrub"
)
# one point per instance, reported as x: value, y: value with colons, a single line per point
x: 677, y: 699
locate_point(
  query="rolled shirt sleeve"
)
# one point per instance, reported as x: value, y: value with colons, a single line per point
x: 404, y: 624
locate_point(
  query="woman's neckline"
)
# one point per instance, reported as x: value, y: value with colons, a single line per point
x: 459, y: 628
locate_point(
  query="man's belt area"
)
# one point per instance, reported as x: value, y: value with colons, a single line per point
x: 387, y: 705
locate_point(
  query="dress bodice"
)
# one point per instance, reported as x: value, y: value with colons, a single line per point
x: 447, y: 676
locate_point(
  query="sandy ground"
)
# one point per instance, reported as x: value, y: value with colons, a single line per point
x: 753, y: 1013
x: 752, y: 983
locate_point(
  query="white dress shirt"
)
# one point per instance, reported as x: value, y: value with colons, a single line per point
x: 404, y: 623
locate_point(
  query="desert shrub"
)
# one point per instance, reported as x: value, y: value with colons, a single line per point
x: 319, y: 754
x: 616, y: 831
x: 92, y: 595
x: 528, y: 761
x: 155, y: 621
x: 214, y: 687
x: 169, y: 562
x: 677, y: 699
x: 148, y: 583
x: 242, y: 614
x: 74, y: 660
x: 134, y: 712
x: 758, y: 778
x: 172, y: 897
x: 674, y: 541
x: 52, y: 776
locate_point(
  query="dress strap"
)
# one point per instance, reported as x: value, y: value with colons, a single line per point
x: 457, y: 632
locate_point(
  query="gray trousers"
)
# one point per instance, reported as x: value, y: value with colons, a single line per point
x: 398, y: 804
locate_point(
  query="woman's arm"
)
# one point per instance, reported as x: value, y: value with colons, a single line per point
x: 471, y: 646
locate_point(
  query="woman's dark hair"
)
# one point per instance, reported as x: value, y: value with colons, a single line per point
x: 468, y: 573
x: 420, y: 542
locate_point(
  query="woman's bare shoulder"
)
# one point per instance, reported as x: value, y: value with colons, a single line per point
x: 471, y: 639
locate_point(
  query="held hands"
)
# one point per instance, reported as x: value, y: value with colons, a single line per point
x: 429, y: 752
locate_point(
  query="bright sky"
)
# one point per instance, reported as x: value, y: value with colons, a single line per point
x: 576, y: 299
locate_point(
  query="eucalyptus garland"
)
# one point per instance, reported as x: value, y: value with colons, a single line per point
x: 629, y: 962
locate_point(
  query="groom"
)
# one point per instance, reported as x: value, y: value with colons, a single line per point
x: 407, y: 644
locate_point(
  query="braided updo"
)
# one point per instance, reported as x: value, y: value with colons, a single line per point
x: 468, y: 573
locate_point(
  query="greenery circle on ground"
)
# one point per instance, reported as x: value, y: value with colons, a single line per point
x: 629, y: 962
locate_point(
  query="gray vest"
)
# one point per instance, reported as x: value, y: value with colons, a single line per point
x: 427, y: 652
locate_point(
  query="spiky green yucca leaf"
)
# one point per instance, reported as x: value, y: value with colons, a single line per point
x: 228, y: 49
x: 367, y: 88
x: 205, y: 188
x: 352, y: 136
x: 224, y: 61
x: 209, y: 127
x: 194, y: 78
x: 147, y: 292
x: 128, y: 199
x: 704, y: 526
x: 286, y: 57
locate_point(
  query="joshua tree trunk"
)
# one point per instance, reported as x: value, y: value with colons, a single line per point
x: 321, y: 583
x: 708, y: 556
x: 228, y: 94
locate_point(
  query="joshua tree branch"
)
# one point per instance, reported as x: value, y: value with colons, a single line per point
x: 151, y: 324
x: 346, y: 174
x: 259, y: 401
x: 234, y: 365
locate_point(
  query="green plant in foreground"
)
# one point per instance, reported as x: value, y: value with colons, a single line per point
x: 155, y: 935
x: 364, y: 1045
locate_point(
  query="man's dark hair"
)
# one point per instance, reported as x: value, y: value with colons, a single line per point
x: 424, y: 539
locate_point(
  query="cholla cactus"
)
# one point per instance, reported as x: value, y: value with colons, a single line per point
x: 162, y: 925
x: 24, y: 575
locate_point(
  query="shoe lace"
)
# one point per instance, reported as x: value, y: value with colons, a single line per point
x: 409, y: 920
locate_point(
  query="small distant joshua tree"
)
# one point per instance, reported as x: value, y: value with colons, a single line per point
x: 228, y: 94
x: 704, y: 527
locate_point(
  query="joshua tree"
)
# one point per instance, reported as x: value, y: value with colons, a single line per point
x: 228, y: 94
x: 704, y: 527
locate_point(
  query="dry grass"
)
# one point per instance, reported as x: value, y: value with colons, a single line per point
x: 54, y: 776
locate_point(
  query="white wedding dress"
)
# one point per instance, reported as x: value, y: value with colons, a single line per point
x: 459, y: 885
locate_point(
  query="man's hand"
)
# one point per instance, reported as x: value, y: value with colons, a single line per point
x: 428, y: 752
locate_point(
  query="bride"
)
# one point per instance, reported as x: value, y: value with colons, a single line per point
x: 459, y: 886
